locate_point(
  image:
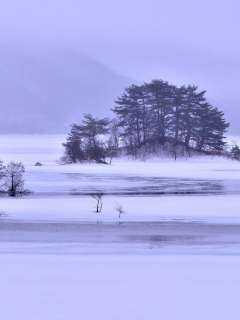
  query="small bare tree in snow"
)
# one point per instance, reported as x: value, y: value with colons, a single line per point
x: 98, y: 195
x: 119, y: 209
x: 13, y: 183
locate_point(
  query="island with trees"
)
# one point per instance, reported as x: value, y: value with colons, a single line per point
x: 150, y: 119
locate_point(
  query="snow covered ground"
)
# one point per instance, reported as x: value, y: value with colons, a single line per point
x: 174, y: 254
x: 198, y: 188
x: 100, y: 287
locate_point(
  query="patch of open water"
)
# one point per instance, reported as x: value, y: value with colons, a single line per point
x: 83, y: 184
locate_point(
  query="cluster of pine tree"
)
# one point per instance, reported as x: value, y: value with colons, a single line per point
x: 84, y: 143
x: 148, y: 116
x: 161, y: 112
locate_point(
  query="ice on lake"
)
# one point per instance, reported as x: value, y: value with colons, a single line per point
x: 174, y: 254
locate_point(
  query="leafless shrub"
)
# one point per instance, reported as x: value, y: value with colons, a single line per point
x: 144, y: 153
x: 13, y: 182
x: 98, y: 195
x: 119, y: 208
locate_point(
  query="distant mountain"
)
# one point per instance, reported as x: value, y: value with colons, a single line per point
x: 44, y: 92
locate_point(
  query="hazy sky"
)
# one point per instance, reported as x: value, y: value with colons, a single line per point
x: 182, y: 41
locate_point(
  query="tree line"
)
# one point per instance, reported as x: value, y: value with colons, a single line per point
x: 148, y: 117
x: 159, y: 111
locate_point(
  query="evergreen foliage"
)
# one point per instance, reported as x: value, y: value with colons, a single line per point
x: 236, y: 152
x: 160, y: 112
x: 84, y: 143
x: 150, y: 119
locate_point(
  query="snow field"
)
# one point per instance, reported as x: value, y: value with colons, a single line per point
x: 216, y: 208
x: 103, y: 287
x: 85, y: 280
x: 62, y: 180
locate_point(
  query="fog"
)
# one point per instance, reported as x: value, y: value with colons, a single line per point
x: 48, y: 91
x: 61, y: 58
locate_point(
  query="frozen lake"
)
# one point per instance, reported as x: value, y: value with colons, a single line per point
x: 125, y: 184
x: 197, y: 189
x: 174, y: 254
x: 176, y: 237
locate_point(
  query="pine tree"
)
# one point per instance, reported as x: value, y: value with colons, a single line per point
x: 91, y: 128
x: 152, y: 114
x: 160, y: 112
x: 210, y: 129
x: 160, y: 98
x: 236, y: 152
x: 133, y: 112
x: 73, y: 147
x: 192, y: 102
x: 83, y: 142
x: 177, y: 116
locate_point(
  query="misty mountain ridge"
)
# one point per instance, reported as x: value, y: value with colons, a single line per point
x: 44, y: 91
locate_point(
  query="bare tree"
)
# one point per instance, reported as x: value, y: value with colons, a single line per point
x: 13, y: 183
x: 119, y: 209
x: 98, y: 195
